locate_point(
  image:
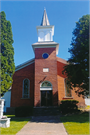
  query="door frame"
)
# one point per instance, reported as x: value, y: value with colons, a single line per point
x: 50, y: 88
x: 46, y: 97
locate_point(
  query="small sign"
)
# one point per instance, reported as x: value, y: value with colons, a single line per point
x: 45, y: 69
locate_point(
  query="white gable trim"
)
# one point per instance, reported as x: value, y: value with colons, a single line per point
x: 24, y: 64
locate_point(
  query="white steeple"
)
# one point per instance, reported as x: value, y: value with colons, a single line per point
x: 45, y: 20
x: 45, y: 31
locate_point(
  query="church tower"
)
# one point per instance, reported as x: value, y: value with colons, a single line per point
x: 45, y: 88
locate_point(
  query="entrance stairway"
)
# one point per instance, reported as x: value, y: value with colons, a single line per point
x: 46, y: 111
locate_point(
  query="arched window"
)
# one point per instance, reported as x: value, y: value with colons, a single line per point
x: 26, y: 86
x: 67, y: 89
x: 46, y: 84
x: 41, y: 34
x: 48, y: 36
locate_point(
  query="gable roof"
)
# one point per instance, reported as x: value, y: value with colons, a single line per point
x: 24, y: 64
x: 61, y: 60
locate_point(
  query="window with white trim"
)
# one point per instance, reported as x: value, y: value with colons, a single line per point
x: 26, y: 87
x: 46, y: 84
x: 67, y: 89
x: 48, y: 36
x: 41, y: 34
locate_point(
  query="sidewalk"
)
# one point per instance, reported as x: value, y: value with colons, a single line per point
x: 43, y: 125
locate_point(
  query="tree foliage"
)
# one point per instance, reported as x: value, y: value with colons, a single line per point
x: 78, y: 68
x: 7, y: 54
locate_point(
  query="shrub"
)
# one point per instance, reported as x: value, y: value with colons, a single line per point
x: 68, y: 106
x: 23, y: 111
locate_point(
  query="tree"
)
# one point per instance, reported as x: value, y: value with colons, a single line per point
x: 7, y: 54
x: 77, y: 70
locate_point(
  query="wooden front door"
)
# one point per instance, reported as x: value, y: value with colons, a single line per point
x: 46, y: 98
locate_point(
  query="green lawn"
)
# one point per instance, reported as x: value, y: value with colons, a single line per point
x: 88, y: 107
x: 74, y: 124
x: 77, y: 124
x: 15, y: 125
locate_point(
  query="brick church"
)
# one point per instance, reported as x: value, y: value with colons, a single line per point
x: 39, y: 81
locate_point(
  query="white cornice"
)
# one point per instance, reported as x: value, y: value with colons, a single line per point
x: 24, y: 64
x: 48, y: 26
x: 46, y: 44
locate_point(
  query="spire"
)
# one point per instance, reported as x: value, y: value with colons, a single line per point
x: 45, y: 20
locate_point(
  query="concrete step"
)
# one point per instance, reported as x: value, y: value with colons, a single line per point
x: 45, y: 111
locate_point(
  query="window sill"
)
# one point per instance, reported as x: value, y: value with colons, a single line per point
x: 68, y: 97
x: 25, y: 98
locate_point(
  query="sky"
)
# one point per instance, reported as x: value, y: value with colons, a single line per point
x: 26, y: 15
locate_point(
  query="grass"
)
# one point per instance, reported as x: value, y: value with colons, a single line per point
x: 16, y: 123
x: 77, y: 124
x: 88, y: 107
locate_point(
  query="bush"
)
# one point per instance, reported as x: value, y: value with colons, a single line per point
x: 68, y: 106
x: 23, y: 111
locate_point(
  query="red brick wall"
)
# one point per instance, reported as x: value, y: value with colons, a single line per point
x: 17, y: 87
x: 61, y: 87
x: 60, y: 69
x: 54, y: 75
x: 41, y: 63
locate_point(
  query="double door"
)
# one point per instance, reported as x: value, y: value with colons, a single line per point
x: 46, y: 98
